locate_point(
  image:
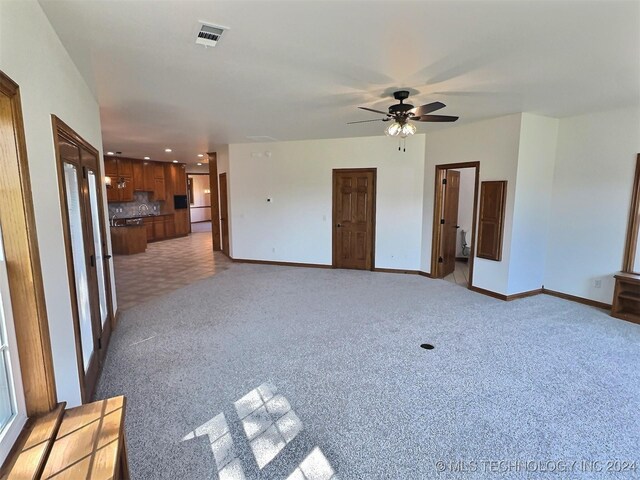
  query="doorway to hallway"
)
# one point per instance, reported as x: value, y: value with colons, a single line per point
x: 454, y: 224
x: 199, y: 192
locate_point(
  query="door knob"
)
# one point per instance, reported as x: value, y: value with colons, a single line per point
x: 339, y: 225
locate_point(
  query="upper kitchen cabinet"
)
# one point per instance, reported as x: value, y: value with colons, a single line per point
x: 148, y: 168
x: 138, y: 177
x: 180, y: 179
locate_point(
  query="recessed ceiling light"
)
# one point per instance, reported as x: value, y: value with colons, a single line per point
x: 109, y: 153
x: 147, y: 158
x: 200, y: 155
x: 175, y: 161
x: 199, y: 163
x: 168, y: 150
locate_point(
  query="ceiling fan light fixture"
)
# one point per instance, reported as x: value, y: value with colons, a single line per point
x: 407, y: 130
x: 394, y: 129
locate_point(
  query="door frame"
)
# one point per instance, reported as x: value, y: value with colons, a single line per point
x: 438, y: 202
x: 334, y: 232
x: 210, y: 207
x: 215, y: 202
x: 225, y: 242
x: 25, y: 278
x: 60, y: 128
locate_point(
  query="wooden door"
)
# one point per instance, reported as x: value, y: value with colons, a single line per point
x: 450, y: 217
x: 224, y: 214
x: 87, y: 258
x: 354, y: 194
x: 490, y: 228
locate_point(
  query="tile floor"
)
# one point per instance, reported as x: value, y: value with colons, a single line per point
x: 165, y: 266
x: 460, y: 275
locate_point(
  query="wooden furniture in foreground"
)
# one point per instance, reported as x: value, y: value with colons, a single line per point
x: 85, y: 442
x: 129, y: 239
x: 626, y: 297
x: 493, y: 196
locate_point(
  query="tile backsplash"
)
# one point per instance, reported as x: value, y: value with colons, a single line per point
x: 132, y: 209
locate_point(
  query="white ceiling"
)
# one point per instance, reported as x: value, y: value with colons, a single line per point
x: 297, y: 69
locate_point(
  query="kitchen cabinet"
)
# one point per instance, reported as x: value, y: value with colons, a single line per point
x: 159, y: 189
x: 148, y: 172
x: 159, y: 232
x: 182, y: 221
x: 169, y: 226
x: 158, y: 178
x: 111, y: 167
x: 125, y: 167
x: 138, y: 177
x: 180, y: 187
x: 126, y: 193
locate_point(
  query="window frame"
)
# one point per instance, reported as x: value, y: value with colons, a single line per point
x: 11, y: 431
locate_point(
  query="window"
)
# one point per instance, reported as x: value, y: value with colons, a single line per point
x: 12, y: 405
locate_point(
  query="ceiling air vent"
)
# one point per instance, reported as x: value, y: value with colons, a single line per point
x: 209, y: 34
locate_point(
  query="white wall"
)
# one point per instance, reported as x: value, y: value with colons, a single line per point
x: 32, y: 55
x: 296, y: 225
x: 532, y: 209
x: 494, y: 143
x: 465, y: 206
x: 593, y: 179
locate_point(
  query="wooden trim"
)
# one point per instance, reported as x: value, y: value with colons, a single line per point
x: 374, y: 171
x: 29, y: 454
x: 280, y: 264
x: 436, y: 233
x: 25, y: 275
x: 574, y: 298
x: 215, y: 201
x: 424, y: 274
x: 530, y: 293
x: 396, y: 270
x: 633, y: 224
x: 60, y: 128
x: 499, y: 296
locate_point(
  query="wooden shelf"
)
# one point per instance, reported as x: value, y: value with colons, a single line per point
x: 626, y: 297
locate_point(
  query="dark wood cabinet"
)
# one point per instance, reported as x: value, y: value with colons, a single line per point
x: 159, y: 189
x: 125, y: 167
x: 626, y: 297
x: 493, y: 195
x: 138, y: 177
x: 159, y: 232
x: 147, y: 169
x: 126, y: 193
x: 111, y: 167
x: 169, y: 226
x: 182, y: 222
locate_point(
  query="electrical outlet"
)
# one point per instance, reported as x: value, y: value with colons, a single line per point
x: 597, y: 283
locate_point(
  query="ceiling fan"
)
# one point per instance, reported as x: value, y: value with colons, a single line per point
x: 402, y: 112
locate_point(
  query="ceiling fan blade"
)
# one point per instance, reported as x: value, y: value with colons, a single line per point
x: 372, y: 110
x: 365, y: 121
x: 436, y: 118
x: 428, y: 108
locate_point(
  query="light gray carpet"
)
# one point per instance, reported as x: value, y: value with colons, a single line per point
x: 533, y: 380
